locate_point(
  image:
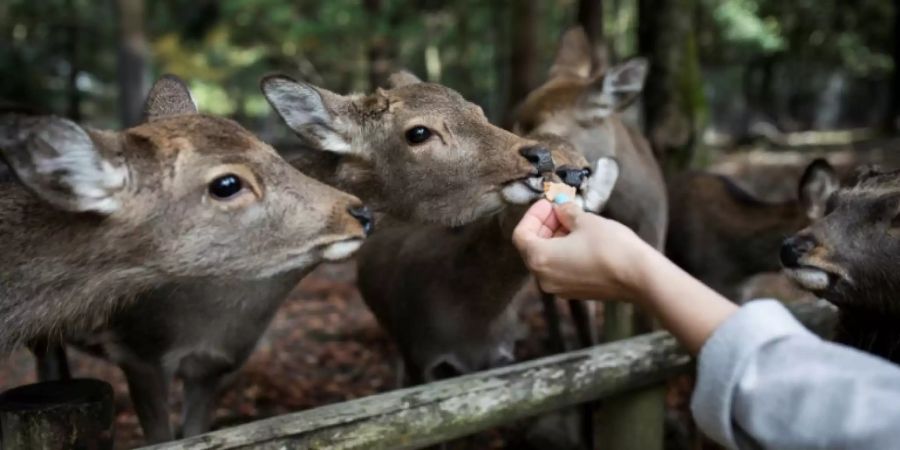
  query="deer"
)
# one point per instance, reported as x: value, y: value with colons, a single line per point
x: 582, y: 101
x: 723, y: 235
x: 445, y: 294
x: 416, y: 152
x: 95, y: 217
x: 850, y: 256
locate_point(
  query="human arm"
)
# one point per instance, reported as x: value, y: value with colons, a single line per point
x: 763, y: 380
x: 593, y: 257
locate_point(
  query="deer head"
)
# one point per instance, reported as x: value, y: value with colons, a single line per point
x: 182, y: 195
x: 417, y: 150
x: 579, y: 96
x: 850, y: 254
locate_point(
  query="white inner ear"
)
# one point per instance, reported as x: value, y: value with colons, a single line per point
x: 600, y: 185
x: 303, y: 109
x: 69, y: 154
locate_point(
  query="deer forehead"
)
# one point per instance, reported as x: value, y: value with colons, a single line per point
x: 434, y: 100
x: 173, y: 138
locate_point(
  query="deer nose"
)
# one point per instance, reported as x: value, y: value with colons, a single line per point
x: 539, y: 157
x: 364, y: 216
x: 793, y: 248
x: 572, y: 177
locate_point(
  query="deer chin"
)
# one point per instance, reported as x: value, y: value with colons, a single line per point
x: 810, y: 278
x: 523, y: 191
x: 341, y: 250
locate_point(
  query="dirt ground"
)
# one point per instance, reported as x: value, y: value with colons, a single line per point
x: 325, y: 347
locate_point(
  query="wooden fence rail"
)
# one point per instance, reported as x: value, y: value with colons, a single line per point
x: 438, y: 412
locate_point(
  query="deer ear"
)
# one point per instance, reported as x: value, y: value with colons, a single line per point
x: 309, y: 111
x: 573, y: 56
x: 402, y: 78
x: 169, y: 96
x: 59, y: 162
x: 600, y: 184
x: 617, y: 89
x: 818, y: 182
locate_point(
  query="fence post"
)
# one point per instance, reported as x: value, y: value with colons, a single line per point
x: 57, y: 415
x: 633, y: 420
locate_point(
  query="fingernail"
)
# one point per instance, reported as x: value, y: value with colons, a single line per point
x: 560, y: 199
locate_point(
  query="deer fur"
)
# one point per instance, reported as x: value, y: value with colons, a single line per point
x: 723, y: 235
x: 97, y: 216
x: 850, y: 256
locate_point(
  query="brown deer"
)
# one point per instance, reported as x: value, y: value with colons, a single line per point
x: 418, y: 151
x: 850, y: 256
x: 580, y: 102
x: 723, y: 235
x: 100, y: 216
x: 445, y: 294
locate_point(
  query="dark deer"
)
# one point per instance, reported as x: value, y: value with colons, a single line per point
x: 850, y: 256
x: 723, y: 235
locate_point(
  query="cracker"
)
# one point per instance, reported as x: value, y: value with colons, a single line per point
x: 551, y: 190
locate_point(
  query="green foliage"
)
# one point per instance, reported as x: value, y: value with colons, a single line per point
x: 60, y: 55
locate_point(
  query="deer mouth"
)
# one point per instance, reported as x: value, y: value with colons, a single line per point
x: 523, y: 190
x: 341, y: 250
x: 812, y: 279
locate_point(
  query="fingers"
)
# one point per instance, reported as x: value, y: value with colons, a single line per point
x: 567, y: 214
x: 539, y: 222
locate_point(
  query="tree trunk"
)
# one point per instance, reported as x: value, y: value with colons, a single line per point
x: 524, y: 27
x: 132, y: 60
x: 590, y: 17
x: 891, y: 124
x: 73, y: 105
x: 673, y: 96
x: 380, y: 53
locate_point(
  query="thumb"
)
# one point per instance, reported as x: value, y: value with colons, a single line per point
x: 568, y: 214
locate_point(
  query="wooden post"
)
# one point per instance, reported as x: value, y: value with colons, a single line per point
x: 57, y: 415
x: 634, y: 420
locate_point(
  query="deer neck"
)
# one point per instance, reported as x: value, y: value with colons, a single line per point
x: 493, y: 262
x: 53, y: 265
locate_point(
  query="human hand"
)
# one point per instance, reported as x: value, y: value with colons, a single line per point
x: 576, y: 254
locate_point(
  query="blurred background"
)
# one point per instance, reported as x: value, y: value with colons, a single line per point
x: 733, y: 70
x: 750, y: 88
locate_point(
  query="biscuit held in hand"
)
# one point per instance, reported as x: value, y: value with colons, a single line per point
x: 552, y: 190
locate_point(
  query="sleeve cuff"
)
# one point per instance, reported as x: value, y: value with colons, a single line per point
x: 724, y: 358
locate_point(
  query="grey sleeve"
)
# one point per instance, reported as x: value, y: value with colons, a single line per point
x: 764, y: 381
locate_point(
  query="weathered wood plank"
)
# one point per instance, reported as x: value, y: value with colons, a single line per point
x: 57, y: 415
x: 437, y: 412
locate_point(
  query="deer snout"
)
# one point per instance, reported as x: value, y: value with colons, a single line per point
x: 364, y: 216
x: 572, y: 176
x: 794, y: 248
x: 539, y: 157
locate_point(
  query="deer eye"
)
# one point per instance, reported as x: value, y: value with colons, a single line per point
x: 225, y: 187
x: 417, y: 135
